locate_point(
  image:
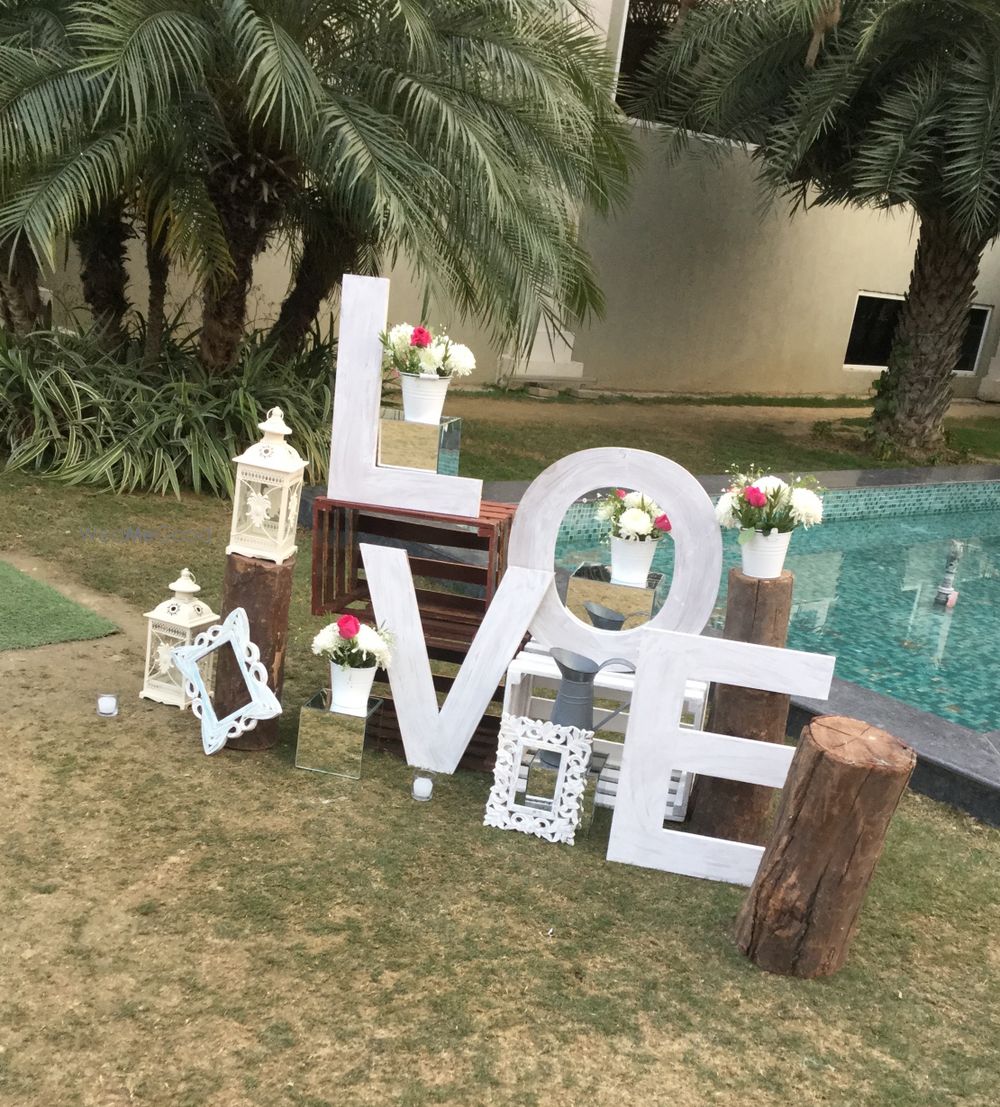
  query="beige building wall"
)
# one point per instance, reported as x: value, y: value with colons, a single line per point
x: 709, y: 291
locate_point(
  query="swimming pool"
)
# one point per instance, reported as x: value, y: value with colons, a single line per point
x: 865, y: 583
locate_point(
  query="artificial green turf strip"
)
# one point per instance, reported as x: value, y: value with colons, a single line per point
x: 33, y: 614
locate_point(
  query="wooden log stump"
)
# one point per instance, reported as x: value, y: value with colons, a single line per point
x: 264, y: 590
x: 756, y: 611
x: 844, y: 784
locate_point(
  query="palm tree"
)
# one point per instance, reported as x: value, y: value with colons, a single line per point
x: 872, y: 103
x: 32, y: 44
x: 464, y: 136
x: 80, y: 161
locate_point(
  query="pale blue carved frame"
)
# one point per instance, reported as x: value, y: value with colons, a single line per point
x: 233, y: 631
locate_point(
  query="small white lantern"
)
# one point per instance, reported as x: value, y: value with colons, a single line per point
x: 175, y: 622
x: 268, y: 490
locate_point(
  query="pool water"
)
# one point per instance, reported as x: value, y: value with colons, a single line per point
x: 864, y: 591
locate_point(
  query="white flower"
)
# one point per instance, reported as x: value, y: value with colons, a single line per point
x: 326, y: 641
x: 769, y: 483
x: 369, y: 641
x: 634, y: 499
x: 807, y: 507
x: 724, y: 513
x: 399, y: 337
x: 432, y: 358
x: 634, y: 523
x: 461, y: 360
x: 604, y: 512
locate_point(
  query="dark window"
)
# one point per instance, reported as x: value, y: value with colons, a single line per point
x: 875, y: 323
x: 644, y: 25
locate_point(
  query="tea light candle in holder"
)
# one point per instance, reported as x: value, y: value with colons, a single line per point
x: 107, y: 705
x: 423, y: 785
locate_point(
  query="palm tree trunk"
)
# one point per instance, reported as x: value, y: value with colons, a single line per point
x: 319, y: 272
x: 249, y: 192
x: 5, y: 314
x: 19, y: 281
x: 158, y: 267
x: 224, y: 311
x: 914, y: 392
x: 100, y: 239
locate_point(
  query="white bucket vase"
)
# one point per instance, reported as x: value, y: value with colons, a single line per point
x: 764, y: 554
x: 350, y: 689
x: 423, y: 397
x: 631, y: 561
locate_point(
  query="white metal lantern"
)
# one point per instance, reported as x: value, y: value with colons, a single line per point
x: 268, y: 490
x: 175, y: 622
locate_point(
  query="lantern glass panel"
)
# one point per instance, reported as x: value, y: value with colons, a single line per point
x: 258, y: 513
x: 162, y: 670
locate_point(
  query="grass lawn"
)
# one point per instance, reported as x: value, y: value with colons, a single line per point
x: 33, y: 614
x: 514, y: 438
x: 181, y: 930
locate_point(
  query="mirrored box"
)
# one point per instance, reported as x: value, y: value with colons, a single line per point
x: 418, y: 445
x: 330, y: 742
x: 592, y: 584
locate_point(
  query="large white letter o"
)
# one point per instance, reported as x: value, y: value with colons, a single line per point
x: 695, y: 533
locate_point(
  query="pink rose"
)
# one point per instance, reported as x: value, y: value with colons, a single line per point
x: 753, y: 496
x: 348, y: 626
x: 661, y: 522
x: 620, y: 493
x: 421, y: 337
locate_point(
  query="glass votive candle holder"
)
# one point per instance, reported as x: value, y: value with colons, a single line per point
x: 423, y: 785
x: 107, y: 705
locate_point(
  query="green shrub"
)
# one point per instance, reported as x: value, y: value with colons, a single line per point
x: 71, y: 410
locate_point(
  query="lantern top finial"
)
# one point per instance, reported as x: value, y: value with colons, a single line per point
x: 272, y: 451
x: 275, y: 423
x: 182, y: 609
x: 185, y: 585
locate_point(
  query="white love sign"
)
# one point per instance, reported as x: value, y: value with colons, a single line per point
x: 527, y: 598
x: 354, y: 475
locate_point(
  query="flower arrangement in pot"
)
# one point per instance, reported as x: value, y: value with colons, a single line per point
x: 767, y: 510
x: 355, y: 651
x: 635, y: 524
x: 426, y: 364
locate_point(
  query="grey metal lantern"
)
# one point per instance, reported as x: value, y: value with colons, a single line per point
x: 175, y: 622
x: 268, y: 489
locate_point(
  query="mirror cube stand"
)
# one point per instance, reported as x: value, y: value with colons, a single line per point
x: 419, y: 445
x: 330, y: 742
x: 591, y: 584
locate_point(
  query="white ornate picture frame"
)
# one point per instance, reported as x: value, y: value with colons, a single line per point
x: 517, y: 735
x: 233, y: 631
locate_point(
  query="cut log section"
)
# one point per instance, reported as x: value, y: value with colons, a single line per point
x: 264, y: 590
x: 756, y: 611
x: 844, y: 784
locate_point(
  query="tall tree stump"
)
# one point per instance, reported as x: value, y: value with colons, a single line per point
x: 756, y: 611
x: 844, y: 784
x: 264, y: 590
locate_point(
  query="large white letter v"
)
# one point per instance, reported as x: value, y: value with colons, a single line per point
x: 436, y: 739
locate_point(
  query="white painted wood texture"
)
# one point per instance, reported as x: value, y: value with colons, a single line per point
x: 652, y: 749
x: 354, y: 474
x: 696, y: 536
x: 436, y: 739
